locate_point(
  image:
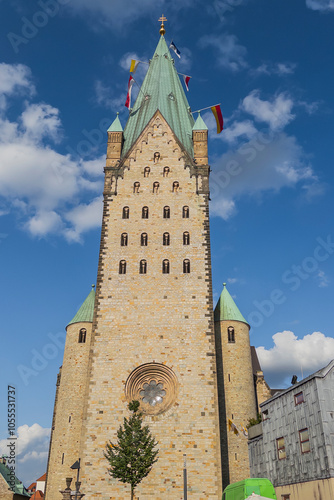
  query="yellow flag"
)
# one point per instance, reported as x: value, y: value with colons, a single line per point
x: 133, y: 66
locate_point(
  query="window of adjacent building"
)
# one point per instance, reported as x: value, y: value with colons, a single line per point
x: 62, y: 458
x: 186, y: 238
x: 122, y: 267
x: 125, y: 214
x: 231, y: 335
x: 136, y: 187
x: 143, y: 239
x: 186, y: 266
x: 280, y: 448
x: 176, y: 186
x: 285, y: 496
x: 143, y: 267
x: 144, y: 213
x: 265, y: 415
x: 299, y: 398
x: 156, y: 187
x: 82, y: 336
x: 166, y: 239
x: 124, y: 240
x: 147, y: 171
x: 165, y: 266
x: 166, y: 171
x: 304, y: 440
x: 166, y: 213
x: 185, y: 212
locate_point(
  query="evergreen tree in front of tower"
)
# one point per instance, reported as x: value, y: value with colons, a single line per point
x: 132, y: 457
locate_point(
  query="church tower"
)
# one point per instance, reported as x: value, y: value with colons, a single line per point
x: 237, y: 401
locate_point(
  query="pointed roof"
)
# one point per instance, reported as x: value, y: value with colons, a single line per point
x: 85, y: 313
x: 226, y: 308
x: 199, y: 123
x: 116, y: 125
x: 161, y: 90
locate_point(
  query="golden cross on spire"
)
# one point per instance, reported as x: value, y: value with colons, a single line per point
x: 162, y: 28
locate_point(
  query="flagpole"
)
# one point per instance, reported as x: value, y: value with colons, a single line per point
x: 208, y: 107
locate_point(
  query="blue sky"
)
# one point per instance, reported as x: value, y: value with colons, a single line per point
x: 64, y: 66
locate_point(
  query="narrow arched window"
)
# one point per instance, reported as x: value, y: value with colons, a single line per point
x: 136, y: 187
x: 186, y: 266
x: 82, y: 336
x: 166, y: 213
x: 166, y: 239
x: 143, y: 267
x: 185, y: 212
x: 122, y: 267
x: 176, y: 186
x: 156, y: 157
x: 165, y: 266
x: 124, y: 240
x: 143, y: 239
x: 144, y: 213
x: 166, y: 171
x: 126, y: 212
x: 230, y: 335
x: 186, y: 238
x: 156, y: 187
x: 147, y: 171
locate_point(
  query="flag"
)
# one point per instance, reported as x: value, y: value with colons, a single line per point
x: 244, y: 431
x: 128, y: 97
x: 186, y: 80
x: 134, y: 65
x: 219, y: 118
x: 233, y: 427
x: 176, y: 50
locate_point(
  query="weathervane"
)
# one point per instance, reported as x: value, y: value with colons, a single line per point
x: 162, y: 28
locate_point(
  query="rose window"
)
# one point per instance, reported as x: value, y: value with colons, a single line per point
x: 152, y: 393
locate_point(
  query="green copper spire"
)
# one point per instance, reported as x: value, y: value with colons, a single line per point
x: 226, y: 308
x: 161, y: 90
x: 116, y: 125
x: 199, y: 123
x: 85, y: 313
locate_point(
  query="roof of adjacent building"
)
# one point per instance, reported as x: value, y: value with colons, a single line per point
x: 116, y: 125
x: 86, y: 311
x: 19, y: 488
x: 226, y: 308
x: 42, y: 478
x: 318, y: 374
x: 161, y: 90
x: 37, y: 495
x: 32, y: 487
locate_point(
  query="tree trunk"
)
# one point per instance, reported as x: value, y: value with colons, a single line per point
x: 131, y: 492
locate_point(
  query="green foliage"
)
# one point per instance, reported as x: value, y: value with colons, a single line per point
x: 254, y: 421
x: 131, y: 458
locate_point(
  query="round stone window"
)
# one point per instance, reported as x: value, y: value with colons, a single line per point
x: 154, y: 385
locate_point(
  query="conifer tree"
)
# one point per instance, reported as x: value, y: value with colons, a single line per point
x: 131, y: 458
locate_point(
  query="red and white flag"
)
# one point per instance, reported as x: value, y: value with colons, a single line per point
x: 128, y: 97
x: 186, y: 79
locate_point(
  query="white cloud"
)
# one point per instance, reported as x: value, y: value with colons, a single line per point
x: 40, y: 184
x: 83, y: 218
x: 276, y: 113
x: 103, y: 96
x: 230, y: 55
x: 322, y: 5
x: 279, y: 69
x: 323, y: 279
x: 242, y: 129
x: 268, y: 162
x: 32, y: 447
x: 14, y: 78
x: 291, y: 355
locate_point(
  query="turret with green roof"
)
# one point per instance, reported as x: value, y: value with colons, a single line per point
x: 226, y: 308
x: 86, y: 311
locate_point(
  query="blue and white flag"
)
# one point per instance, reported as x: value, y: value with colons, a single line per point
x: 176, y: 50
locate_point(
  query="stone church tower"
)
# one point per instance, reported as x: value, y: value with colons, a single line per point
x: 150, y: 335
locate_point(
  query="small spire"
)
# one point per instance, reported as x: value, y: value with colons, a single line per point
x: 162, y: 28
x: 224, y: 284
x: 93, y: 286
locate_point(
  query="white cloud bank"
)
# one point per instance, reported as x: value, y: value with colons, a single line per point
x: 32, y: 446
x: 292, y: 356
x: 41, y: 185
x: 230, y: 54
x: 323, y: 5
